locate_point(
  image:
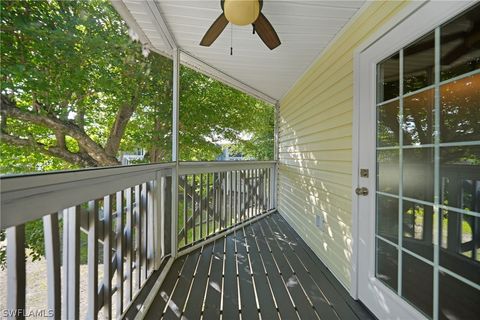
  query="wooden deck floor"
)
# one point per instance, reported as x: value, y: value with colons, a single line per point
x: 263, y: 270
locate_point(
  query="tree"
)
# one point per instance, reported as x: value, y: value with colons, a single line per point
x: 77, y: 90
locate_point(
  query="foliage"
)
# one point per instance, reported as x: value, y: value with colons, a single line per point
x: 78, y: 90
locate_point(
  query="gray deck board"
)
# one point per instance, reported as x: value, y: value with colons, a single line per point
x: 247, y: 292
x: 318, y: 298
x: 344, y: 305
x: 193, y: 307
x: 302, y: 303
x: 267, y: 260
x: 268, y: 309
x: 282, y: 296
x: 214, y: 295
x: 230, y: 294
x: 158, y: 305
x: 177, y: 301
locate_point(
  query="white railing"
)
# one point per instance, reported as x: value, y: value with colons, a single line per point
x: 125, y: 213
x: 217, y: 196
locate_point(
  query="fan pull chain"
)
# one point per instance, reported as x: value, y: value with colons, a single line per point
x: 231, y: 40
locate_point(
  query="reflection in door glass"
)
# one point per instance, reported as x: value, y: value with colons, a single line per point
x: 417, y: 283
x: 388, y: 79
x: 419, y: 64
x: 418, y: 173
x: 460, y: 49
x: 460, y: 177
x: 418, y: 229
x: 457, y: 299
x: 460, y: 110
x: 388, y: 124
x: 428, y: 174
x: 387, y: 171
x: 387, y: 217
x: 459, y: 244
x: 387, y: 264
x: 418, y: 118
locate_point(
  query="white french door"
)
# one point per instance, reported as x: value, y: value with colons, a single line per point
x: 419, y: 148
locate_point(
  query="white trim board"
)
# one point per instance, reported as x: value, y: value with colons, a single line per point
x: 412, y: 23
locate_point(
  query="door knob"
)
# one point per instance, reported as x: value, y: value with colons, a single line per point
x: 361, y: 191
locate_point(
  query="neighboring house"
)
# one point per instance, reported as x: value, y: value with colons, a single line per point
x: 226, y: 156
x: 127, y: 158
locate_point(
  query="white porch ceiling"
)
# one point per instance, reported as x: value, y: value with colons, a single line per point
x: 305, y: 29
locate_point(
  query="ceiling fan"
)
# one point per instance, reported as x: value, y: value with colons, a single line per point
x: 242, y: 12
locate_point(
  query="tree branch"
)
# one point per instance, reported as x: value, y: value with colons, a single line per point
x: 82, y: 160
x: 95, y: 151
x: 118, y: 129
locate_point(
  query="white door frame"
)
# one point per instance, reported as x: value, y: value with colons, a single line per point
x: 417, y: 19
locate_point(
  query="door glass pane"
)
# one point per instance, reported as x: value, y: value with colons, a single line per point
x: 388, y: 79
x: 460, y: 49
x: 418, y: 118
x: 459, y: 252
x: 460, y: 110
x: 418, y: 173
x: 387, y: 124
x: 417, y: 283
x: 419, y: 64
x: 387, y: 171
x: 433, y: 161
x: 460, y: 177
x: 457, y: 299
x: 387, y: 217
x: 387, y: 264
x: 418, y: 228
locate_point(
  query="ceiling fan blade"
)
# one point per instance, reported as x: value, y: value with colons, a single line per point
x: 266, y: 32
x: 214, y: 31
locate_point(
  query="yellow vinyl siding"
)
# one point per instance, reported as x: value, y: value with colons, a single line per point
x: 315, y: 144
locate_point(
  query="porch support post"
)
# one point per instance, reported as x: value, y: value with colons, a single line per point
x: 175, y: 123
x: 276, y: 154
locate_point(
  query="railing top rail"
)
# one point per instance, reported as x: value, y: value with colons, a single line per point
x: 219, y: 166
x: 39, y: 179
x: 28, y: 197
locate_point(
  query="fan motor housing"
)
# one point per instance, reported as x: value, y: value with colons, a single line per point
x: 241, y: 12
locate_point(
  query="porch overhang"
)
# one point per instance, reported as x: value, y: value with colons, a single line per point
x: 306, y: 28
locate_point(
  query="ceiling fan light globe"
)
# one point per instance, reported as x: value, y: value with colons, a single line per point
x: 241, y: 12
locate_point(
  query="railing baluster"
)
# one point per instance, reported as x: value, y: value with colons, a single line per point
x: 231, y: 197
x: 167, y: 215
x: 71, y: 262
x: 138, y: 245
x: 119, y: 252
x: 143, y: 233
x: 264, y: 177
x: 52, y: 257
x: 92, y: 259
x: 107, y: 256
x: 245, y: 194
x: 194, y: 191
x: 249, y: 193
x: 16, y: 274
x: 214, y: 205
x: 201, y: 205
x: 185, y: 208
x: 224, y: 200
x: 150, y: 228
x: 208, y: 205
x: 256, y: 192
x: 129, y: 244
